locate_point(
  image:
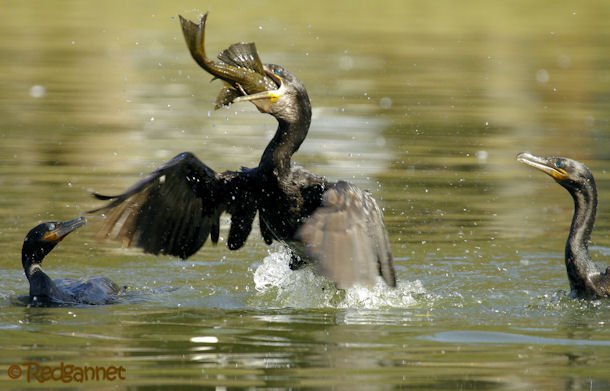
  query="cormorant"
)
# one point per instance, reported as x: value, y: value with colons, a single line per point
x: 174, y: 209
x: 43, y: 290
x: 587, y: 280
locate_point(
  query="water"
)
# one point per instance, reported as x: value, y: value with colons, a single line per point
x: 426, y: 105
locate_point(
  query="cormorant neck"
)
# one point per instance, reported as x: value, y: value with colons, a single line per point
x: 32, y: 254
x: 288, y: 137
x: 42, y: 287
x: 31, y: 263
x: 578, y: 262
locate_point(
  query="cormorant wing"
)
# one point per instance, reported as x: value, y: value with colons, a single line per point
x: 602, y: 283
x: 347, y: 238
x: 95, y: 291
x: 171, y: 211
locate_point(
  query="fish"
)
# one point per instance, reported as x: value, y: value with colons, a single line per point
x: 239, y: 66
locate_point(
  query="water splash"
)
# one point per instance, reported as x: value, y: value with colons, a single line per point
x: 276, y: 283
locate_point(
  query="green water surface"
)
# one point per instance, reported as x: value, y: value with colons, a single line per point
x: 425, y: 104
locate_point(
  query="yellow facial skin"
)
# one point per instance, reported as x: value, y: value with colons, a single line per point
x: 63, y: 229
x: 264, y: 100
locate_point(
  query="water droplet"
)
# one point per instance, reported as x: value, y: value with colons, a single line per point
x: 385, y: 102
x: 482, y: 156
x: 38, y: 91
x: 346, y: 63
x: 542, y: 76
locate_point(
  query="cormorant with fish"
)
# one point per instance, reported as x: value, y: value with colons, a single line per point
x: 174, y: 209
x: 587, y: 280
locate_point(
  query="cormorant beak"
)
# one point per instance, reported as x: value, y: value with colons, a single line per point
x: 543, y: 164
x: 63, y: 229
x: 264, y: 100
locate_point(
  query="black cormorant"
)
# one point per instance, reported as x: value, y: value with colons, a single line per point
x: 587, y: 280
x: 43, y: 290
x: 334, y: 224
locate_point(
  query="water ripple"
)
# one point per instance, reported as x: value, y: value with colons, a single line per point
x: 486, y: 337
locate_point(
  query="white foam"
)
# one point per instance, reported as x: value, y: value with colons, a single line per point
x: 302, y: 288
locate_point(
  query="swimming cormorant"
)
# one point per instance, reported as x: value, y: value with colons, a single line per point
x: 43, y: 290
x: 334, y: 224
x: 587, y: 280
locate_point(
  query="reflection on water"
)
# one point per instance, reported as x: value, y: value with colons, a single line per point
x: 473, y: 337
x: 426, y: 105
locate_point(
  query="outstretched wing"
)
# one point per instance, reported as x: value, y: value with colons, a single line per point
x: 174, y: 209
x: 347, y: 238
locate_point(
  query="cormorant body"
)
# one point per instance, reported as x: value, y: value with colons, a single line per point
x: 44, y: 291
x: 335, y: 224
x: 587, y: 280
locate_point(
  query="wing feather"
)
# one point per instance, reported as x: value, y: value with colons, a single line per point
x: 347, y: 238
x: 174, y: 209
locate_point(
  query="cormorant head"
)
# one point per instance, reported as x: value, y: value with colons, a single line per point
x: 571, y: 174
x: 289, y: 102
x: 42, y: 239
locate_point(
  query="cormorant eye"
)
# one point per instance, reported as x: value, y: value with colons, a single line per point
x: 277, y: 72
x: 51, y: 226
x: 558, y: 164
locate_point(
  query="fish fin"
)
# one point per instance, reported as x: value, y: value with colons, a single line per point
x: 243, y: 55
x: 226, y: 96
